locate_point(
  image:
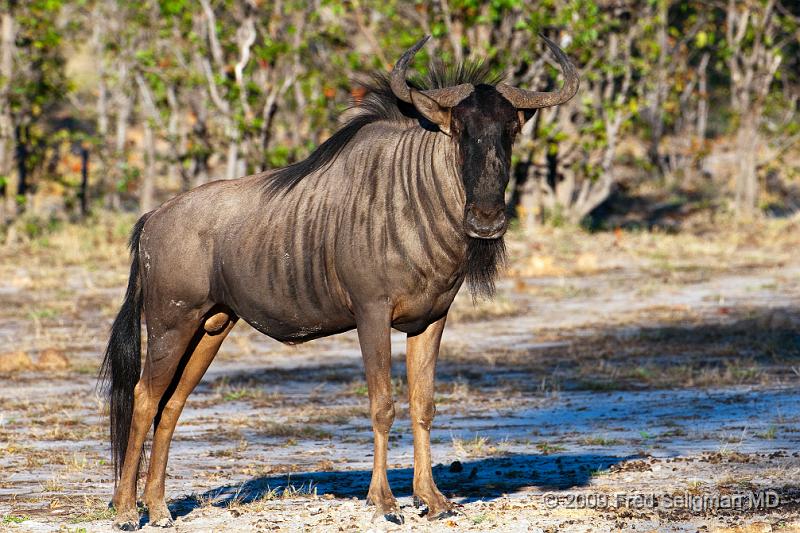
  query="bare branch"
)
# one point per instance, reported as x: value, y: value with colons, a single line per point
x: 211, y: 23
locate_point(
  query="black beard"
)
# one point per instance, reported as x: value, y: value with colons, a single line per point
x: 485, y: 257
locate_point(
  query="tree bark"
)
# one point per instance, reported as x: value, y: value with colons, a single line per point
x: 659, y: 93
x: 7, y: 37
x: 147, y: 191
x: 123, y: 101
x: 22, y: 132
x: 702, y: 101
x: 83, y: 194
x: 753, y: 66
x: 747, y: 179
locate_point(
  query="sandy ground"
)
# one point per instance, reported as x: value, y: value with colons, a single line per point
x: 614, y: 391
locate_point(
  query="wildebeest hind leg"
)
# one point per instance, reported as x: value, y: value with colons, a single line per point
x: 196, y: 361
x: 374, y: 335
x: 166, y: 346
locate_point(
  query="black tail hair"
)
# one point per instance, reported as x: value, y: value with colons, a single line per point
x: 123, y: 358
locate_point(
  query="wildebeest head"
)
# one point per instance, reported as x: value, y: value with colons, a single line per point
x: 483, y: 121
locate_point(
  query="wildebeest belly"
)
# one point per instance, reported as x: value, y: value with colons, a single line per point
x: 293, y: 321
x: 300, y: 329
x: 286, y: 316
x: 297, y: 331
x: 411, y: 313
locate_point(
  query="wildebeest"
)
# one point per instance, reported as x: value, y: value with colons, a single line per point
x: 377, y: 229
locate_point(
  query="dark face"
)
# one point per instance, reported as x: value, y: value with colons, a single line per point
x: 484, y: 125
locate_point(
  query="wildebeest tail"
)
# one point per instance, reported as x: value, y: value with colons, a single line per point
x: 123, y: 363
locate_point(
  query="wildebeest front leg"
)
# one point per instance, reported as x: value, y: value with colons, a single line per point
x: 421, y: 353
x: 374, y: 335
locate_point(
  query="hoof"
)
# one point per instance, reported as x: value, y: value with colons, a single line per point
x: 164, y: 522
x: 127, y: 520
x: 447, y: 513
x: 394, y: 517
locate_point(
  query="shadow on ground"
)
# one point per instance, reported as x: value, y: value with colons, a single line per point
x: 483, y: 479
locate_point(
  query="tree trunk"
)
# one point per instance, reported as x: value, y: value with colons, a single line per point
x: 702, y: 102
x: 147, y: 190
x: 124, y: 104
x: 200, y: 170
x: 151, y: 119
x: 22, y: 152
x: 747, y: 141
x: 753, y: 65
x: 83, y: 194
x: 7, y: 37
x: 660, y: 91
x: 233, y: 156
x: 201, y: 135
x: 174, y: 136
x: 531, y: 202
x: 106, y: 188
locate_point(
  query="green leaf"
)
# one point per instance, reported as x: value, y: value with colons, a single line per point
x: 701, y: 40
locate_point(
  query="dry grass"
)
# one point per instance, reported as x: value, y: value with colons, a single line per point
x: 91, y: 510
x: 601, y: 375
x: 464, y: 309
x: 235, y: 451
x: 358, y: 387
x: 99, y: 241
x: 725, y: 244
x: 337, y: 414
x: 478, y: 446
x: 54, y: 484
x: 456, y: 392
x: 271, y: 428
x: 598, y: 440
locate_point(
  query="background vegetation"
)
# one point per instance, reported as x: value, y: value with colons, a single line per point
x: 686, y: 108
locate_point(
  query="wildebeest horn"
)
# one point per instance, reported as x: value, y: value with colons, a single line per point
x: 450, y: 96
x: 445, y: 97
x: 398, y: 76
x: 522, y: 99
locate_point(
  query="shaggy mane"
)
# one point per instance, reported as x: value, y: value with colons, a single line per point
x: 379, y: 103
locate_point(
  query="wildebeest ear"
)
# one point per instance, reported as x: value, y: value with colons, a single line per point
x: 430, y: 109
x: 524, y: 116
